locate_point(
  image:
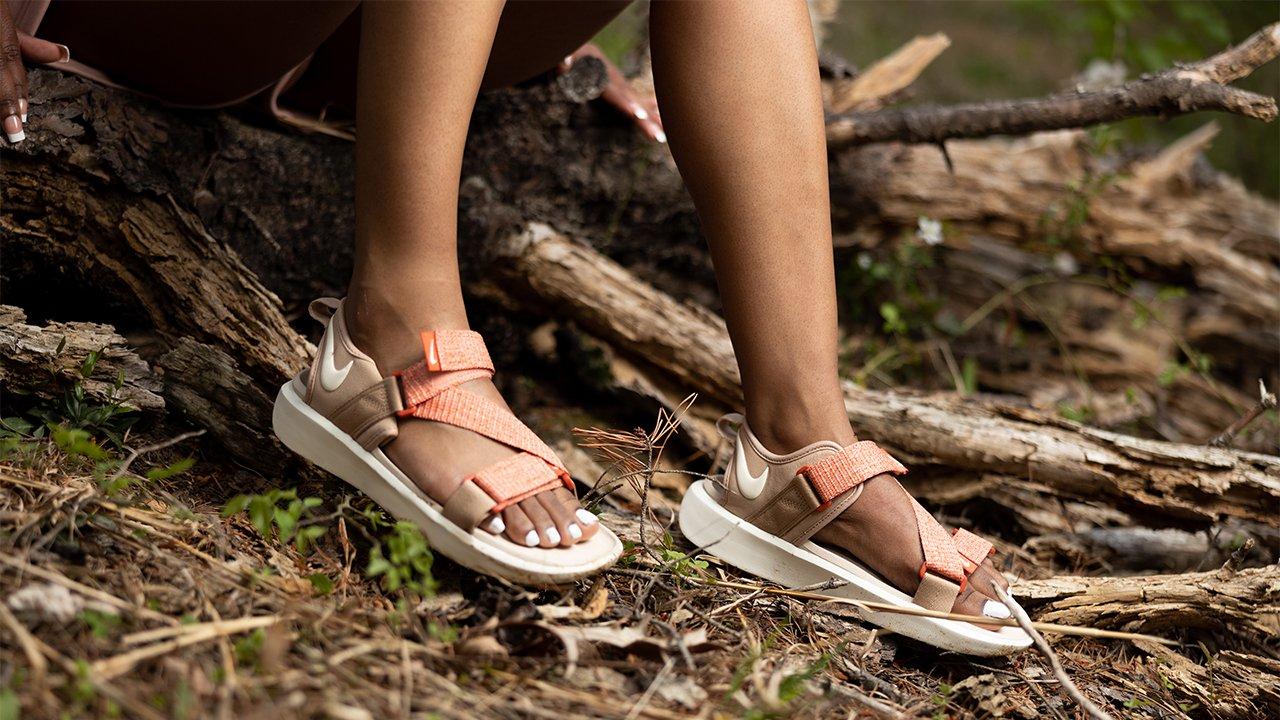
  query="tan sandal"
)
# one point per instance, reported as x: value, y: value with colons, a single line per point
x: 762, y: 520
x: 339, y: 413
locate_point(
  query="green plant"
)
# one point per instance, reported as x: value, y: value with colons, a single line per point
x: 281, y: 514
x: 402, y: 558
x: 101, y: 624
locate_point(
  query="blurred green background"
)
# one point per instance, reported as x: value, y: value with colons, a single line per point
x: 1017, y: 48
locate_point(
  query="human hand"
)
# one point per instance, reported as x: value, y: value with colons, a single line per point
x: 16, y: 46
x: 618, y: 93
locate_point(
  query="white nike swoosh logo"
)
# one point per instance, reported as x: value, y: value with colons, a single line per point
x: 750, y: 486
x: 330, y: 376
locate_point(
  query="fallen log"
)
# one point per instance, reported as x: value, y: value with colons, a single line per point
x: 1171, y: 483
x: 47, y: 361
x: 1243, y: 602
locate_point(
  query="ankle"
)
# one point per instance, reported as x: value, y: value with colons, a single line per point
x: 789, y: 426
x: 385, y: 321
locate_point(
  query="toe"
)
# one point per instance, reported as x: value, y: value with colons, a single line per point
x: 575, y: 514
x: 548, y: 535
x: 972, y: 602
x: 566, y: 523
x: 495, y: 524
x: 520, y: 529
x: 988, y: 576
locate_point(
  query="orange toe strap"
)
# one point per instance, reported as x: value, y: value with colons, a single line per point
x: 974, y: 549
x: 517, y: 478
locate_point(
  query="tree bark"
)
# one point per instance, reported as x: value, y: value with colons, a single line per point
x: 50, y: 360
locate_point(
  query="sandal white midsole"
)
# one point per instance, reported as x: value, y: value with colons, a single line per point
x: 315, y: 438
x: 706, y: 523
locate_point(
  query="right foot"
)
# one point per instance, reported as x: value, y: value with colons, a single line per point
x: 439, y: 424
x: 438, y: 457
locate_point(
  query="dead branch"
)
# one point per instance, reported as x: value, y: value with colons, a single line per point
x: 1245, y: 602
x: 1177, y: 91
x: 1266, y: 401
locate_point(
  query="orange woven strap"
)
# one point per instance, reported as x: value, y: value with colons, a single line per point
x: 449, y: 358
x: 838, y: 473
x: 973, y: 548
x: 940, y: 555
x: 517, y: 478
x: 430, y: 391
x: 448, y: 350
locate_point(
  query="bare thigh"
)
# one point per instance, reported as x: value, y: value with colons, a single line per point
x: 209, y: 52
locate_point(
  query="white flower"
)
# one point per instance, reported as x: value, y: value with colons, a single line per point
x: 865, y: 260
x: 929, y: 231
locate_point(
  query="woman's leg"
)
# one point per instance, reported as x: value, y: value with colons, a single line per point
x: 737, y: 83
x: 421, y: 65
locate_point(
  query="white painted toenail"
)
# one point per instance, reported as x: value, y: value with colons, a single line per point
x: 995, y: 609
x: 575, y: 532
x: 585, y: 517
x: 496, y: 525
x: 531, y: 539
x: 553, y: 535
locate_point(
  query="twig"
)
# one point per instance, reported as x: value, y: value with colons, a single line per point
x: 653, y: 687
x: 1064, y: 680
x: 139, y: 452
x: 60, y: 579
x: 29, y: 646
x: 116, y: 665
x: 1266, y: 401
x: 870, y: 606
x: 1232, y: 564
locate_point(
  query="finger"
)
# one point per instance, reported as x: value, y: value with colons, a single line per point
x: 35, y: 50
x: 12, y: 78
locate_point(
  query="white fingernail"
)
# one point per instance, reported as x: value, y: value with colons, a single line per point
x: 641, y: 113
x: 16, y: 137
x: 575, y: 532
x: 995, y: 609
x: 585, y: 517
x: 553, y: 536
x: 496, y: 525
x: 660, y: 137
x: 24, y: 117
x: 531, y: 539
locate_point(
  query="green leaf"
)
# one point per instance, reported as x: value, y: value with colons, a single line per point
x: 169, y: 471
x: 321, y: 583
x: 235, y: 505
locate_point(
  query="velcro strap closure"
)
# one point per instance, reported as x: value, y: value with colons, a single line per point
x: 517, y: 478
x: 838, y: 473
x: 449, y: 350
x: 974, y: 548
